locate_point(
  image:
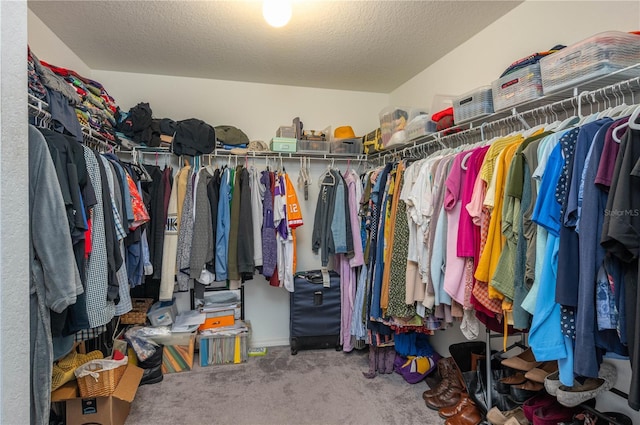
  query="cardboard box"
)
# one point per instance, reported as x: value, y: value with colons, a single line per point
x: 110, y: 410
x: 177, y: 354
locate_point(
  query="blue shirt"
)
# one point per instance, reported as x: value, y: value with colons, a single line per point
x: 547, y: 210
x: 223, y: 225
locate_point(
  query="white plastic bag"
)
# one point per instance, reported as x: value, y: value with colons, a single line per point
x: 93, y: 367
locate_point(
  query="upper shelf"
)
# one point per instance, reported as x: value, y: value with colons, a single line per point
x: 622, y: 76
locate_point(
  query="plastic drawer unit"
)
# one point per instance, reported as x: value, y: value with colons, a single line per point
x: 596, y: 56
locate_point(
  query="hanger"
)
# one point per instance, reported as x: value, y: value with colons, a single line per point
x: 331, y: 182
x: 617, y: 137
x: 633, y: 124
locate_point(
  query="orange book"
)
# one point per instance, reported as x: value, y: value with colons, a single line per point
x: 217, y: 322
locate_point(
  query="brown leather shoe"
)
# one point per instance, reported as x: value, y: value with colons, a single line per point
x: 471, y: 415
x: 538, y: 374
x: 445, y: 369
x: 447, y: 412
x: 450, y: 397
x: 524, y: 361
x: 515, y: 379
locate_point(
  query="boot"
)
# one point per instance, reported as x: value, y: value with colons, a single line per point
x: 454, y: 386
x: 475, y: 358
x: 371, y: 373
x: 470, y: 415
x: 380, y: 365
x: 389, y: 359
x: 152, y: 375
x: 450, y: 397
x: 444, y: 369
x: 447, y: 412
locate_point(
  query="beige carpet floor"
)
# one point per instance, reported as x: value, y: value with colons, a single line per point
x: 322, y: 387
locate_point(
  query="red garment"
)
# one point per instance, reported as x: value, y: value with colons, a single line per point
x: 140, y: 214
x: 87, y: 238
x: 273, y: 280
x: 439, y: 115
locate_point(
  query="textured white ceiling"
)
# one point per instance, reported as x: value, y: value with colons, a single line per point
x: 353, y: 45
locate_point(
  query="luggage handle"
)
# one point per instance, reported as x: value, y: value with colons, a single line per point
x: 317, y: 277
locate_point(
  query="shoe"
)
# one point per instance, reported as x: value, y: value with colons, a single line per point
x: 524, y: 361
x: 552, y: 383
x: 450, y: 397
x: 152, y: 375
x: 445, y: 366
x: 589, y: 388
x: 538, y: 374
x: 497, y: 417
x: 553, y: 414
x: 523, y: 392
x: 470, y: 415
x: 536, y: 402
x: 515, y: 379
x: 447, y: 412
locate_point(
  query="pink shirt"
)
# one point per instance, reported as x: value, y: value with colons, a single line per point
x: 466, y: 228
x: 454, y: 265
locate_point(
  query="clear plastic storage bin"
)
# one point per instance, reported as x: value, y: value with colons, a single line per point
x: 347, y: 146
x: 314, y: 146
x: 393, y: 119
x: 517, y: 87
x: 225, y: 347
x: 472, y: 105
x: 420, y: 126
x: 288, y: 131
x: 596, y: 56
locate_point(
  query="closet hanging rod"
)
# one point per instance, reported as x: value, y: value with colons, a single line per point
x: 260, y: 155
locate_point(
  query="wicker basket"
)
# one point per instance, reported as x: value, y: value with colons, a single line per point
x: 138, y: 313
x: 100, y: 377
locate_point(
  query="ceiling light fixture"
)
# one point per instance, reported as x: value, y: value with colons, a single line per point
x: 277, y: 13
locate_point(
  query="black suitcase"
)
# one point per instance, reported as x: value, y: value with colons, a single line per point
x: 314, y: 312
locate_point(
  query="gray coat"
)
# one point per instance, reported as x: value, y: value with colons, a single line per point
x: 55, y: 281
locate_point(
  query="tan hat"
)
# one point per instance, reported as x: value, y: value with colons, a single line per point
x: 254, y: 146
x: 344, y: 132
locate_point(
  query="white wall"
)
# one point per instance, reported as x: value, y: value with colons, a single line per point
x: 49, y: 48
x: 531, y: 27
x: 14, y: 207
x: 257, y: 109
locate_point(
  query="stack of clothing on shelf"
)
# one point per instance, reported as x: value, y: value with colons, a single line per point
x: 75, y: 102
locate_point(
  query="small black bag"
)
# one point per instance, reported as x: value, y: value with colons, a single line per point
x: 477, y: 387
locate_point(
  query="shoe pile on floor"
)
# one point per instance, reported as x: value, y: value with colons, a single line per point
x: 532, y: 386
